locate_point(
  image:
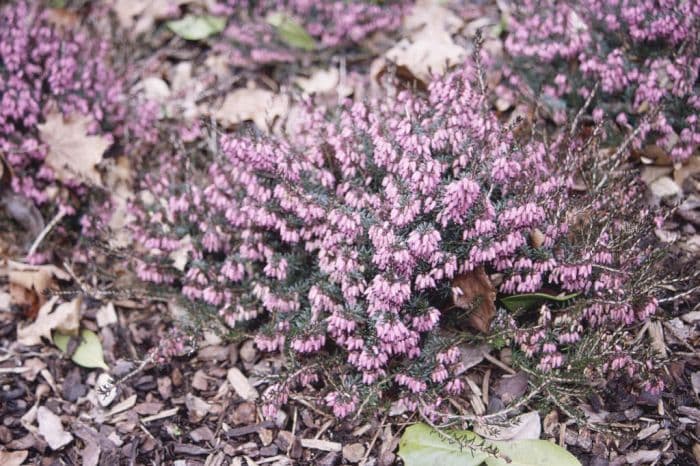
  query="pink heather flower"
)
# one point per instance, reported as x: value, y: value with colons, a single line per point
x: 578, y: 42
x: 337, y: 241
x: 341, y: 404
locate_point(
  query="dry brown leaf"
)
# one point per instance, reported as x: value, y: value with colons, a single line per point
x: 139, y: 16
x: 524, y: 427
x: 475, y: 291
x: 429, y: 49
x: 688, y: 169
x: 320, y: 82
x: 35, y: 279
x: 73, y: 154
x: 664, y: 187
x: 65, y: 318
x: 13, y: 458
x: 257, y: 105
x: 51, y: 429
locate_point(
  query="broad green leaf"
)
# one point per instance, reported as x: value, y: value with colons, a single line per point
x: 532, y: 300
x: 422, y: 446
x: 89, y: 351
x: 192, y: 27
x: 291, y: 32
x: 531, y: 453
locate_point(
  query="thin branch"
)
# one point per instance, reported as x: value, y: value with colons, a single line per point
x: 57, y: 218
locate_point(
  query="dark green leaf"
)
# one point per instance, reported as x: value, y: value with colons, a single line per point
x: 532, y: 300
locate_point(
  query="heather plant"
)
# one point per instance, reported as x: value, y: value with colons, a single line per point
x: 48, y: 68
x: 643, y: 55
x: 267, y: 32
x: 339, y: 245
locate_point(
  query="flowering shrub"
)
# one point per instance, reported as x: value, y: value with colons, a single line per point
x: 644, y: 54
x: 46, y: 68
x: 338, y: 245
x: 251, y: 41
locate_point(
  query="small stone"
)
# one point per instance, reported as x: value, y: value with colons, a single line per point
x: 354, y: 452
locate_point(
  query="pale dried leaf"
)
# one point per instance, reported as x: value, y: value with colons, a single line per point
x: 429, y: 48
x: 13, y: 458
x: 664, y: 187
x: 180, y: 256
x: 153, y: 88
x: 524, y: 427
x: 320, y: 82
x: 656, y: 334
x: 106, y: 315
x: 241, y: 385
x: 37, y: 278
x: 73, y: 154
x: 65, y: 318
x: 688, y: 169
x: 474, y: 291
x: 51, y: 429
x: 257, y: 105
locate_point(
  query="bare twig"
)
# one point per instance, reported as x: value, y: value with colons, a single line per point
x: 57, y: 218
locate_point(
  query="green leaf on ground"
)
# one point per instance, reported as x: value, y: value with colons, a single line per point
x: 423, y: 446
x: 192, y: 27
x: 291, y: 32
x: 532, y: 300
x: 89, y: 351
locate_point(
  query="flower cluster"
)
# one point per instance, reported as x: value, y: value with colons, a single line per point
x: 643, y: 54
x: 48, y: 67
x: 251, y: 41
x: 342, y: 240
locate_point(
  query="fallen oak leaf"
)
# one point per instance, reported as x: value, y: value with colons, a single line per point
x: 258, y: 105
x: 65, y: 318
x: 474, y: 291
x: 73, y: 154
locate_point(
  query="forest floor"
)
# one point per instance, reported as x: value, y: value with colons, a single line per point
x: 200, y: 409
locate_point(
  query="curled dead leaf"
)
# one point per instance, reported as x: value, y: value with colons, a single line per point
x: 64, y: 318
x: 474, y: 291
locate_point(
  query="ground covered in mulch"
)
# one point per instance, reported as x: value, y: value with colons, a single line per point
x: 200, y: 408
